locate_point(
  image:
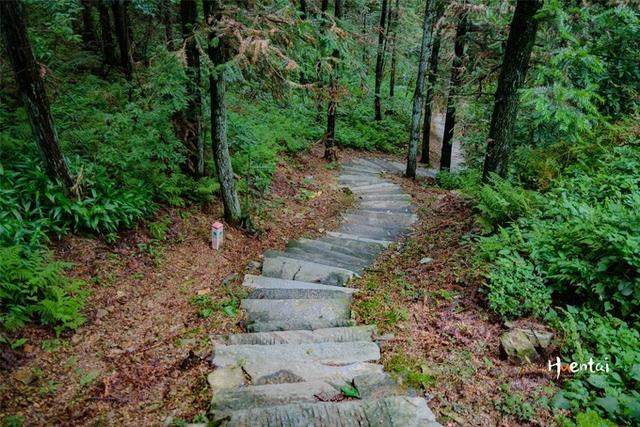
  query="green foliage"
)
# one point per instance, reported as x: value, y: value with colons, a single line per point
x: 33, y: 287
x: 412, y: 371
x: 514, y: 404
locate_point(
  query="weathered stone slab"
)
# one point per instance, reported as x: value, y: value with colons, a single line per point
x: 345, y: 334
x: 384, y: 204
x: 389, y: 411
x: 348, y: 236
x: 387, y: 232
x: 285, y: 314
x: 386, y: 186
x: 327, y: 257
x: 272, y: 394
x: 380, y: 219
x: 323, y: 353
x: 273, y: 288
x: 322, y: 247
x: 305, y: 271
x: 393, y: 197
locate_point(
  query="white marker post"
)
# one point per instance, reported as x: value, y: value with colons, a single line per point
x: 217, y: 235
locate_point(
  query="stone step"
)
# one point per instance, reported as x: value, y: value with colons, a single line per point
x: 388, y: 166
x: 368, y: 248
x: 327, y: 257
x: 398, y: 411
x: 305, y: 271
x: 273, y: 288
x: 344, y: 334
x: 365, y: 163
x: 354, y: 177
x: 384, y: 197
x: 380, y: 232
x: 379, y: 219
x: 254, y: 396
x: 359, y: 170
x: 386, y: 186
x: 372, y: 386
x: 358, y: 238
x: 386, y: 206
x: 326, y: 353
x: 321, y: 246
x: 290, y: 314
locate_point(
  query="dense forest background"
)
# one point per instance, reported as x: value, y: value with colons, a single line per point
x: 163, y: 103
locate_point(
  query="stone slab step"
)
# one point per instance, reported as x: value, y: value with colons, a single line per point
x: 365, y: 163
x: 305, y: 271
x: 379, y: 232
x: 329, y: 258
x: 386, y: 186
x: 326, y: 353
x: 262, y: 287
x: 272, y: 395
x: 323, y: 247
x: 345, y: 334
x: 359, y: 170
x: 372, y: 249
x: 290, y: 314
x: 392, y: 411
x: 384, y: 197
x: 380, y: 220
x: 349, y: 236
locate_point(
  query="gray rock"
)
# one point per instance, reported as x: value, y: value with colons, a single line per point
x: 388, y: 411
x: 253, y: 267
x: 363, y: 255
x: 294, y: 269
x: 344, y: 334
x: 273, y: 288
x: 349, y: 236
x: 385, y: 232
x: 332, y: 259
x: 517, y: 346
x: 226, y: 377
x: 426, y: 260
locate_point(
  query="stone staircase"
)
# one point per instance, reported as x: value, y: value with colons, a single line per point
x: 302, y: 348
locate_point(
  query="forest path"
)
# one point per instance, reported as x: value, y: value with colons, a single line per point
x: 303, y: 360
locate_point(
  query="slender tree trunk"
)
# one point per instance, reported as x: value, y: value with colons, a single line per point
x: 456, y: 72
x: 167, y: 22
x: 324, y: 5
x: 303, y: 9
x: 230, y: 200
x: 522, y: 36
x: 394, y: 41
x: 193, y: 115
x: 32, y: 90
x: 108, y: 48
x: 428, y: 100
x: 425, y: 50
x: 89, y: 38
x: 330, y: 153
x: 379, y: 60
x: 119, y: 9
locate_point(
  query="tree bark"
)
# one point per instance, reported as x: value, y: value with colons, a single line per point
x: 379, y: 61
x: 522, y: 36
x: 32, y: 91
x: 394, y: 34
x: 303, y: 9
x: 425, y: 49
x: 324, y: 5
x: 108, y: 48
x: 230, y: 200
x: 89, y: 38
x: 337, y: 9
x: 167, y: 22
x: 330, y: 153
x: 428, y: 100
x: 456, y: 72
x: 119, y: 9
x: 193, y: 114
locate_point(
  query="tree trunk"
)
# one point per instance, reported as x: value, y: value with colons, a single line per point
x: 379, y: 60
x: 193, y: 115
x: 324, y: 5
x: 330, y: 153
x: 428, y: 100
x: 337, y: 9
x: 119, y: 9
x: 167, y: 22
x: 394, y: 33
x: 303, y: 9
x: 34, y: 96
x: 89, y: 38
x: 456, y: 71
x: 230, y: 200
x: 522, y: 35
x: 108, y: 49
x: 425, y: 50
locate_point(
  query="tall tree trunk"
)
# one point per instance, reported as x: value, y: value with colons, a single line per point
x: 193, y: 114
x: 428, y: 100
x: 394, y: 41
x: 34, y: 96
x: 330, y: 153
x: 425, y: 50
x: 167, y: 22
x: 337, y: 9
x: 120, y: 20
x: 303, y: 9
x: 108, y: 48
x: 379, y: 61
x: 324, y: 5
x: 89, y: 38
x: 230, y: 200
x: 365, y: 56
x: 522, y: 35
x: 456, y: 72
